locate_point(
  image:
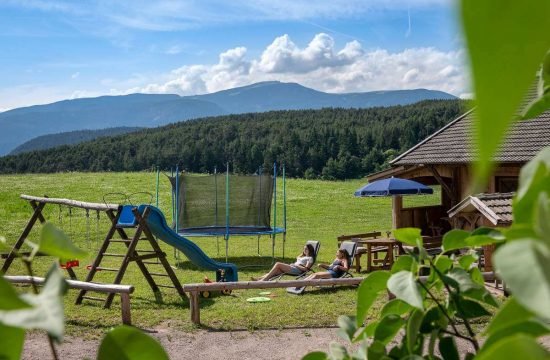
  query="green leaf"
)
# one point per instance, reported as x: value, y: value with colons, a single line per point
x: 55, y: 243
x: 404, y: 262
x: 388, y: 328
x: 542, y: 218
x: 129, y: 343
x: 395, y: 307
x: 463, y: 279
x: 454, y: 240
x: 524, y: 266
x: 46, y: 312
x: 518, y: 346
x: 434, y: 319
x: 509, y: 315
x: 9, y: 300
x: 403, y: 285
x: 347, y: 327
x: 480, y: 240
x: 468, y: 309
x: 11, y: 342
x: 376, y: 351
x: 466, y: 261
x: 338, y: 351
x: 534, y: 179
x: 542, y: 102
x: 368, y: 291
x: 409, y: 236
x: 481, y: 295
x: 477, y: 276
x: 533, y: 328
x: 447, y: 348
x: 507, y: 42
x: 413, y: 329
x: 316, y: 355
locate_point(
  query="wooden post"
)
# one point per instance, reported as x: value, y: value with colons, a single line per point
x: 37, y: 215
x: 125, y: 307
x: 397, y: 206
x: 195, y: 308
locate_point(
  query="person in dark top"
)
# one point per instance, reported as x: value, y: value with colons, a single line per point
x: 339, y: 267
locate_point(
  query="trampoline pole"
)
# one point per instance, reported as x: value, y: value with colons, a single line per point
x: 284, y: 209
x: 274, y: 211
x: 177, y: 205
x: 260, y: 205
x: 216, y: 209
x: 158, y: 176
x: 226, y: 210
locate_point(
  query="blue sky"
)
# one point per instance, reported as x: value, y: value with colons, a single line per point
x: 59, y: 49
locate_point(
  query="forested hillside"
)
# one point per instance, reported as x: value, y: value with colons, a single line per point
x: 328, y: 143
x: 69, y: 138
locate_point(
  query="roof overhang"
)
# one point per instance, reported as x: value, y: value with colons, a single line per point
x: 471, y: 204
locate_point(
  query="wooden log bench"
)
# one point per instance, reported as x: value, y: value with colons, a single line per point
x: 195, y: 289
x: 123, y: 290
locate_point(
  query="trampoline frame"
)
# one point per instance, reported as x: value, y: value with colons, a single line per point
x: 227, y: 230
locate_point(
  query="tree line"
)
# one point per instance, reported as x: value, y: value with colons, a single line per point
x: 331, y: 143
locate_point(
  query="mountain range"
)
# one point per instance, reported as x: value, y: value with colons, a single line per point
x: 153, y: 110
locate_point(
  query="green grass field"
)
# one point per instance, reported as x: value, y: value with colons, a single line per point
x: 319, y: 210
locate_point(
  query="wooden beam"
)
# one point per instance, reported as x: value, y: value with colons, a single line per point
x: 71, y: 203
x: 443, y: 184
x: 74, y: 284
x: 218, y: 286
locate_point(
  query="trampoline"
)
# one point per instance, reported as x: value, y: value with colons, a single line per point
x: 222, y: 205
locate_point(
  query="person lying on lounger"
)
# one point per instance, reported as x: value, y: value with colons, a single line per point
x: 339, y: 267
x: 302, y: 264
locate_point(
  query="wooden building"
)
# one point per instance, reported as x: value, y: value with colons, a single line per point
x: 444, y: 159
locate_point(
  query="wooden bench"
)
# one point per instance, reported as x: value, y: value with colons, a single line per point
x: 195, y: 289
x: 123, y: 290
x: 432, y: 244
x: 359, y: 238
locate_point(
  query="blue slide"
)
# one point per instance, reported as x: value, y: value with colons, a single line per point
x: 160, y: 229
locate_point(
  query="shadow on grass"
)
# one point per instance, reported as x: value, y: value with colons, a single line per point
x: 242, y: 262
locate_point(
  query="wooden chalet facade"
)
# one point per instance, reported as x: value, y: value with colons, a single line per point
x: 444, y: 159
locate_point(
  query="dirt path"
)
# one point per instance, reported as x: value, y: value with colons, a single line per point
x: 242, y: 345
x: 227, y: 345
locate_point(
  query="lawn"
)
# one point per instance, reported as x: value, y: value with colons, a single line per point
x: 320, y: 210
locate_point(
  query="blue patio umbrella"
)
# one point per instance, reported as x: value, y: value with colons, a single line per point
x: 393, y: 186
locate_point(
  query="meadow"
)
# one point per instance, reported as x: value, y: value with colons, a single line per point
x: 320, y: 210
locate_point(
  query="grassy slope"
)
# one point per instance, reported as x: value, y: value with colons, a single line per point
x: 316, y: 210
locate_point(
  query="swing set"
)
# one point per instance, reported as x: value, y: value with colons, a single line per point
x: 128, y: 227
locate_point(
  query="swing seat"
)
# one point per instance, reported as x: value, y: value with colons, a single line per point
x: 127, y: 218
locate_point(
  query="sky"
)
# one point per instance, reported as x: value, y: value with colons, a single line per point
x: 65, y: 49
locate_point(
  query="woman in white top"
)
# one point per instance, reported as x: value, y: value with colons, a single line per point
x: 302, y: 264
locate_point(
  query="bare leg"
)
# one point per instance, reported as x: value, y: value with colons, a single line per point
x: 278, y: 268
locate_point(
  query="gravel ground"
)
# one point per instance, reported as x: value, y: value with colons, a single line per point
x: 227, y: 345
x: 242, y: 345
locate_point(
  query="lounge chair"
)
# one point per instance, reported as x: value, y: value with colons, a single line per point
x: 316, y: 246
x: 351, y: 248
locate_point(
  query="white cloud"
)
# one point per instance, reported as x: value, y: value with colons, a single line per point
x: 322, y: 66
x: 75, y: 75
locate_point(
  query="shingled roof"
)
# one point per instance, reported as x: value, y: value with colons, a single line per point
x: 496, y: 207
x: 450, y: 145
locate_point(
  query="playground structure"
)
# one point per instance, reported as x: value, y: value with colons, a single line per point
x: 237, y: 205
x: 146, y: 222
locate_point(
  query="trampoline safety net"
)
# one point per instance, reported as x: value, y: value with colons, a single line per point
x: 202, y: 203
